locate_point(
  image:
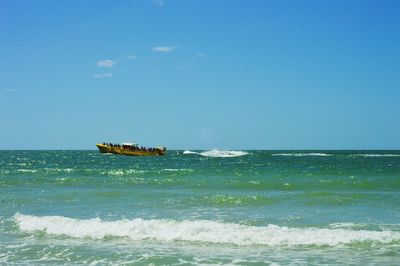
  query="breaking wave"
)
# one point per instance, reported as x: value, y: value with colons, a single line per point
x: 217, y: 153
x: 190, y: 152
x: 376, y: 155
x: 199, y: 231
x: 301, y: 154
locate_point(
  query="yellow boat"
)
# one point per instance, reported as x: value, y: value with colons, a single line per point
x: 131, y: 149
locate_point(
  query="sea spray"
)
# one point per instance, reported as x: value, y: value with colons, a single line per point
x: 199, y: 231
x: 217, y: 153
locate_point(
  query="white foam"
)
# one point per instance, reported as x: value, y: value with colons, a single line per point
x: 190, y: 152
x: 27, y: 170
x: 218, y: 153
x: 199, y: 231
x: 301, y: 154
x: 58, y: 170
x: 47, y: 170
x: 178, y: 170
x: 348, y: 225
x: 122, y: 172
x: 376, y: 155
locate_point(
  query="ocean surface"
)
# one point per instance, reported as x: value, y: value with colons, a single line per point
x: 200, y: 207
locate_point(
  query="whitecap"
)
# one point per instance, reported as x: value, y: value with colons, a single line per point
x: 27, y: 170
x: 171, y: 170
x: 376, y: 155
x: 122, y: 172
x: 301, y: 154
x: 64, y: 170
x: 178, y: 170
x: 348, y: 225
x: 199, y: 231
x: 218, y: 153
x: 190, y: 152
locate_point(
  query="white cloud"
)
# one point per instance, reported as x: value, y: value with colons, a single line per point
x: 180, y: 68
x: 164, y: 49
x: 7, y: 92
x: 159, y: 2
x: 132, y: 56
x: 106, y: 63
x: 103, y: 75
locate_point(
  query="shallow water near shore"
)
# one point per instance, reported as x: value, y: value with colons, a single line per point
x: 200, y: 207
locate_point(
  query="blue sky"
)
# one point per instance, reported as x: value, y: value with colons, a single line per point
x: 200, y: 74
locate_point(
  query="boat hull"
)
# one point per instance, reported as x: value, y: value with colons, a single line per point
x: 123, y: 151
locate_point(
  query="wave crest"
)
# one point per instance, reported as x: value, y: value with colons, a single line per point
x: 376, y: 155
x: 217, y: 153
x: 302, y: 154
x: 199, y: 231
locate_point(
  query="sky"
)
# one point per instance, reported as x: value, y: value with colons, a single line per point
x: 200, y: 74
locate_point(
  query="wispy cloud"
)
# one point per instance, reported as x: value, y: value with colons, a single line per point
x: 180, y: 68
x: 7, y: 92
x: 196, y: 57
x: 159, y: 2
x: 164, y: 49
x: 103, y: 75
x: 132, y: 57
x: 106, y: 63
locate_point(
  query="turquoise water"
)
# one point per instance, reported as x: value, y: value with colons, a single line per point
x: 203, y: 207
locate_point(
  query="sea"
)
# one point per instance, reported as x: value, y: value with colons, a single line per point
x: 214, y: 207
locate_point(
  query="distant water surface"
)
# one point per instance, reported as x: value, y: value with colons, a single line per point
x: 200, y: 207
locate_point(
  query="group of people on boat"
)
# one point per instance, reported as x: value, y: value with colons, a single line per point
x: 134, y: 147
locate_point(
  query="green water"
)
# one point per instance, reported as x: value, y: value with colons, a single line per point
x: 240, y: 208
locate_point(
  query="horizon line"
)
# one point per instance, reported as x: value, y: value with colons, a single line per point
x: 196, y: 149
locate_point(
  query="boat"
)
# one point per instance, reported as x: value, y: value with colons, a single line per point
x: 130, y: 149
